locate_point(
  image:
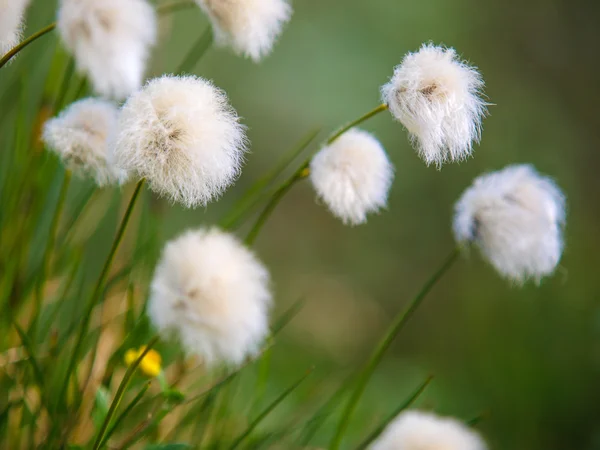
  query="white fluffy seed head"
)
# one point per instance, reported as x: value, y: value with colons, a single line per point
x: 437, y: 97
x: 181, y: 134
x: 11, y: 23
x: 515, y: 216
x: 352, y: 176
x: 110, y: 40
x: 80, y: 136
x: 250, y: 27
x: 415, y: 430
x: 211, y: 293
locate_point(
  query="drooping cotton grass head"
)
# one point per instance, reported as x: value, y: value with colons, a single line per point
x: 416, y: 430
x: 250, y: 27
x: 80, y: 136
x: 11, y: 23
x: 110, y: 40
x: 181, y: 134
x: 515, y: 216
x: 352, y: 176
x: 211, y: 293
x: 437, y: 97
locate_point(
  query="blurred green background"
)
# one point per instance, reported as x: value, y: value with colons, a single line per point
x: 528, y: 357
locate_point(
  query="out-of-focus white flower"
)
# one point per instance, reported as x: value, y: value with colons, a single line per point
x: 415, y: 430
x: 437, y: 98
x: 181, y: 134
x: 80, y: 136
x: 515, y: 216
x: 211, y: 293
x: 250, y: 27
x: 110, y: 40
x: 11, y: 23
x: 352, y: 176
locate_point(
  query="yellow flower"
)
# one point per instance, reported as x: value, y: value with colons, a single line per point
x: 150, y: 365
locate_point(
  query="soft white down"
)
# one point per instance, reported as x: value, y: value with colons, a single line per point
x: 437, y: 97
x: 110, y: 40
x: 181, y: 134
x: 249, y: 27
x: 352, y: 176
x: 11, y: 23
x: 415, y: 430
x: 80, y: 136
x: 516, y: 217
x: 211, y: 293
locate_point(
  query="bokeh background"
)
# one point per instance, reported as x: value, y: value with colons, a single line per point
x: 527, y: 358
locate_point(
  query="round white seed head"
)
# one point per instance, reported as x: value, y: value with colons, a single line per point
x: 11, y: 23
x: 110, y: 40
x: 352, y: 176
x: 181, y: 134
x: 515, y: 216
x: 211, y: 293
x: 415, y: 430
x: 249, y: 27
x: 80, y: 136
x: 437, y: 98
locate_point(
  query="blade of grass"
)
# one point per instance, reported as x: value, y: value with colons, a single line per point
x: 407, y: 403
x: 397, y: 325
x: 268, y: 410
x: 125, y: 412
x: 197, y: 51
x: 7, y: 57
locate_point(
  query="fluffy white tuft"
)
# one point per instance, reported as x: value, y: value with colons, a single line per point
x: 250, y: 27
x: 515, y: 216
x: 181, y: 134
x: 416, y: 430
x: 11, y: 23
x: 110, y: 40
x: 211, y: 293
x: 437, y: 98
x: 352, y: 176
x: 80, y: 136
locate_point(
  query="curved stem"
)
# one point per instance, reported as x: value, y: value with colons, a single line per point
x: 376, y: 357
x: 197, y: 51
x: 361, y: 119
x: 12, y: 52
x: 98, y: 289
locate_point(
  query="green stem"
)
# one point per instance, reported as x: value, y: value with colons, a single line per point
x: 64, y: 86
x: 98, y: 290
x: 197, y: 51
x: 45, y: 269
x: 376, y: 357
x: 356, y: 122
x: 120, y: 393
x: 12, y: 52
x: 173, y: 6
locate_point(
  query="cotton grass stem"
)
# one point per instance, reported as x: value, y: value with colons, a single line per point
x: 367, y: 116
x: 16, y: 49
x: 197, y: 51
x: 98, y: 290
x: 384, y: 344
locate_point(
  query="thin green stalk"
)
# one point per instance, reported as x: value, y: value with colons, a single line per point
x: 12, y: 52
x: 45, y: 268
x: 173, y: 6
x: 384, y: 344
x: 300, y: 174
x: 356, y: 122
x: 125, y: 412
x: 197, y: 51
x: 98, y: 290
x: 120, y: 393
x: 407, y: 403
x: 267, y: 411
x: 59, y: 103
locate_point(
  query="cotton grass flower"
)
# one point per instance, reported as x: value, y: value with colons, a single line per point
x: 80, y: 136
x: 181, y: 134
x: 515, y: 216
x: 250, y: 27
x: 416, y: 430
x: 352, y: 176
x: 437, y: 97
x: 110, y: 40
x: 11, y: 23
x: 211, y: 293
